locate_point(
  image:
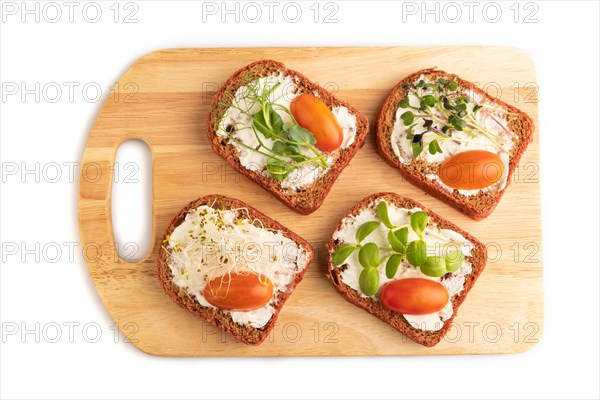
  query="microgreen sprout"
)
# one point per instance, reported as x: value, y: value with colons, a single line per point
x: 285, y: 155
x: 399, y: 250
x: 443, y: 109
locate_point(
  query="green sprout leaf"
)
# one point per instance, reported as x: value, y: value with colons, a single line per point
x: 407, y: 118
x: 276, y: 122
x: 288, y: 150
x: 279, y: 148
x: 452, y: 85
x: 342, y: 253
x: 404, y: 103
x: 368, y: 255
x: 278, y: 170
x: 402, y: 235
x: 391, y: 267
x: 418, y: 222
x: 456, y: 122
x: 477, y: 108
x: 428, y: 100
x: 459, y: 124
x: 260, y: 124
x: 369, y: 281
x: 288, y: 125
x: 396, y: 243
x: 454, y: 260
x: 382, y: 212
x: 417, y: 148
x: 365, y: 230
x: 434, y: 147
x: 416, y: 253
x: 300, y: 135
x: 269, y: 124
x: 434, y: 266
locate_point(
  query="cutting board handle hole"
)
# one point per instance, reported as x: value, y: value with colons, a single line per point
x: 131, y: 200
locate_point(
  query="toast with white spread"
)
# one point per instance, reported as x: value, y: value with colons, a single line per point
x: 231, y: 265
x: 452, y: 139
x: 404, y: 264
x: 285, y: 132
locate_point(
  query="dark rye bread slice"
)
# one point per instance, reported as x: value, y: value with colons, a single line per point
x: 478, y: 260
x: 480, y: 205
x: 220, y: 319
x: 305, y: 200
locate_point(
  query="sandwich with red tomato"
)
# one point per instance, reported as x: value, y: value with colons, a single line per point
x: 404, y: 264
x: 452, y: 139
x: 288, y: 134
x: 231, y: 265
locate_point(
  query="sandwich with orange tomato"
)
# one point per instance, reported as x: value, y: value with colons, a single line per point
x: 288, y: 134
x: 404, y: 264
x: 231, y: 265
x: 452, y: 139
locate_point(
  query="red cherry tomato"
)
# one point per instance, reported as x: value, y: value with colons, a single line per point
x: 414, y: 296
x: 240, y: 292
x: 314, y: 115
x: 471, y: 169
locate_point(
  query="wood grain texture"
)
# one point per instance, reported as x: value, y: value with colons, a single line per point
x: 163, y: 100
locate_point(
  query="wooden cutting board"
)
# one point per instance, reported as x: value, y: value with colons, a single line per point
x: 164, y: 99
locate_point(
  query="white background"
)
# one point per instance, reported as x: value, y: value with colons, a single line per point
x: 564, y: 46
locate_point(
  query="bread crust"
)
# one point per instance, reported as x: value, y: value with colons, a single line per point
x: 305, y: 200
x: 243, y: 333
x: 478, y: 260
x: 480, y: 205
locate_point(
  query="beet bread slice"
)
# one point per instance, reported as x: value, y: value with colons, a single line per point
x: 509, y: 130
x: 182, y: 281
x: 425, y: 330
x: 230, y: 132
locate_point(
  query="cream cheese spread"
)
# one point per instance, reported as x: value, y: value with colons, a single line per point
x: 489, y: 118
x: 438, y: 242
x: 212, y: 242
x: 237, y: 119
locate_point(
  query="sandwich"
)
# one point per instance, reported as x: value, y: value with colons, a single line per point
x: 231, y: 265
x: 452, y: 139
x: 404, y: 264
x: 286, y: 133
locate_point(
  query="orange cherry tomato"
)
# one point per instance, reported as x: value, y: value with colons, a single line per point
x: 240, y: 292
x: 471, y: 169
x: 415, y: 296
x: 314, y: 115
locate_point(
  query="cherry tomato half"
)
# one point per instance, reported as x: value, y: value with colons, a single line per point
x: 312, y: 114
x: 415, y: 296
x: 239, y: 291
x: 471, y: 169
